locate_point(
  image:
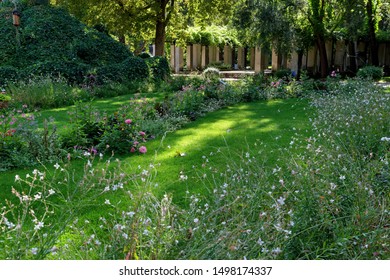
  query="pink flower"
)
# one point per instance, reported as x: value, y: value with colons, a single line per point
x: 132, y: 150
x: 142, y: 133
x: 135, y: 143
x: 128, y: 121
x: 142, y: 149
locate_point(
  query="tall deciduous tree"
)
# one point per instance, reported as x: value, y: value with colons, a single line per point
x: 371, y: 10
x: 147, y: 18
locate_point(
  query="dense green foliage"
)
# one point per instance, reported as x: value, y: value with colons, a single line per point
x: 133, y: 68
x: 211, y: 36
x: 370, y: 72
x: 287, y: 186
x: 50, y: 41
x: 159, y: 68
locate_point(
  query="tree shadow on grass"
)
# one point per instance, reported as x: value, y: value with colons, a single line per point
x: 224, y: 134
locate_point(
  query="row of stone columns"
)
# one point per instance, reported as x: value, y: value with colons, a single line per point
x: 198, y: 57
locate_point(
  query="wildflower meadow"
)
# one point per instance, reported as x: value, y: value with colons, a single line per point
x: 311, y: 184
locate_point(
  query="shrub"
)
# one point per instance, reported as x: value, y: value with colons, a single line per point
x: 131, y: 69
x: 135, y: 68
x: 283, y: 73
x: 8, y: 74
x: 9, y: 43
x: 370, y: 72
x: 144, y: 55
x: 220, y: 66
x: 45, y: 92
x: 211, y: 73
x: 22, y: 144
x: 159, y: 68
x: 52, y: 42
x: 73, y: 72
x: 109, y: 73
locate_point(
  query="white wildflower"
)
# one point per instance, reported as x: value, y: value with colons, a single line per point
x: 39, y: 225
x: 281, y: 200
x: 130, y: 214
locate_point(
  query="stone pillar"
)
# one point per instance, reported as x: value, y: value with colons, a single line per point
x: 252, y: 58
x: 311, y: 58
x: 241, y: 58
x: 227, y: 55
x: 257, y: 59
x: 260, y: 59
x: 180, y: 55
x: 176, y: 60
x: 292, y: 63
x: 328, y: 47
x: 275, y: 60
x: 189, y: 58
x: 205, y: 57
x: 212, y: 54
x: 339, y: 55
x: 383, y: 53
x: 196, y: 56
x: 172, y: 58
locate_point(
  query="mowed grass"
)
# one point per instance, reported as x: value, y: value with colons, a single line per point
x: 60, y: 116
x: 220, y: 135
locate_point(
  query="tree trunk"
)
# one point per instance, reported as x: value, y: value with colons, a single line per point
x: 160, y: 38
x: 300, y: 58
x: 161, y: 22
x: 323, y: 57
x: 371, y: 31
x: 352, y: 57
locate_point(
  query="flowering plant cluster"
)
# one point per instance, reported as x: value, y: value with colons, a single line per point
x: 326, y: 199
x: 4, y: 95
x: 122, y: 135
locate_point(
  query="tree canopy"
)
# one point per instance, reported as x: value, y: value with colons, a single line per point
x: 284, y: 25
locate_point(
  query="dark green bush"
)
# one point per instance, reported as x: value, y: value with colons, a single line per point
x: 73, y: 72
x: 8, y: 73
x: 283, y: 73
x: 51, y: 42
x: 211, y: 73
x: 109, y: 73
x: 144, y: 55
x: 50, y: 34
x: 370, y: 72
x: 220, y: 65
x: 133, y: 68
x: 159, y: 68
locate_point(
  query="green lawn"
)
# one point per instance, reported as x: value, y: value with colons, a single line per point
x: 222, y: 134
x: 229, y: 160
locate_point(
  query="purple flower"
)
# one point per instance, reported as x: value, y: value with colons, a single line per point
x: 142, y: 149
x: 128, y: 121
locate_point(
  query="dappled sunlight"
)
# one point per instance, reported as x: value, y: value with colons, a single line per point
x: 225, y: 134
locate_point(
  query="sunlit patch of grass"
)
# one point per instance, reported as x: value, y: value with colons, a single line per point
x: 181, y: 152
